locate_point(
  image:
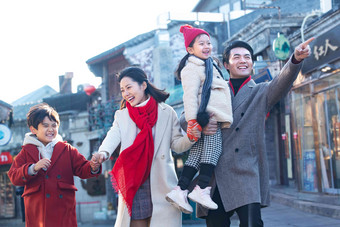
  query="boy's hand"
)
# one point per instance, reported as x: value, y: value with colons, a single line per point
x: 194, y: 130
x: 43, y: 163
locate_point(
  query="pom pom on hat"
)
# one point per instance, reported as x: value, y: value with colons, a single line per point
x: 190, y: 33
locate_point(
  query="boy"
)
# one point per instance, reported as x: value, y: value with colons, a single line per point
x: 46, y: 166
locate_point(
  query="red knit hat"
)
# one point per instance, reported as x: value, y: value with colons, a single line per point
x: 190, y: 33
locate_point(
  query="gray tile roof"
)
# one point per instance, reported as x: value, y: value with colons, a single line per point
x: 22, y: 105
x: 120, y: 48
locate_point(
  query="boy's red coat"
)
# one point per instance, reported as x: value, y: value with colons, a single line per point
x: 50, y: 195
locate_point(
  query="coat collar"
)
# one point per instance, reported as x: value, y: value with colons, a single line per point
x: 161, y: 124
x: 242, y: 94
x: 58, y: 150
x: 33, y: 151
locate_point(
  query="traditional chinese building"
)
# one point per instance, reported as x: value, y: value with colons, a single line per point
x: 7, y: 195
x: 314, y: 109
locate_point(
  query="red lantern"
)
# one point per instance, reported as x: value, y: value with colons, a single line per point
x: 89, y: 89
x: 295, y: 135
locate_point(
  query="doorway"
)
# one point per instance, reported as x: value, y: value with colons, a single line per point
x: 327, y: 116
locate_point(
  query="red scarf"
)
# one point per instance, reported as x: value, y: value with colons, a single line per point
x: 133, y: 165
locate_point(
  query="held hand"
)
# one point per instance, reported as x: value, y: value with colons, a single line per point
x: 303, y: 50
x: 99, y: 157
x: 191, y: 131
x: 96, y: 160
x: 196, y: 132
x: 211, y: 127
x: 43, y: 163
x: 94, y: 166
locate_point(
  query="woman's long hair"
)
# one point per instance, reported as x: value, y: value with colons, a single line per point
x: 138, y: 75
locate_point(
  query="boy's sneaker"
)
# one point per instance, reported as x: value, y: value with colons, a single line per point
x: 202, y: 196
x: 178, y: 198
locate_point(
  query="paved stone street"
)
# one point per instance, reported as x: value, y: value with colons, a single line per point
x: 276, y: 215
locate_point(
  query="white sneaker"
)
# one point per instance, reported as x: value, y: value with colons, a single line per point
x: 202, y: 196
x: 178, y: 198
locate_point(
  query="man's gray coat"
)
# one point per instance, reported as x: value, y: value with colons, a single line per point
x: 242, y: 171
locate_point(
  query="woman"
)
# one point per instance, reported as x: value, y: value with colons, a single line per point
x: 147, y: 129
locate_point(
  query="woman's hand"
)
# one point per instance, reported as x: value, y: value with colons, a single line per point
x: 96, y: 160
x: 193, y: 130
x: 196, y: 132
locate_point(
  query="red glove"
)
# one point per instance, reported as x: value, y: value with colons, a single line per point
x: 191, y: 125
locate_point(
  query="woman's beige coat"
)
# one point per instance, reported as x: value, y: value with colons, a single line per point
x: 167, y: 135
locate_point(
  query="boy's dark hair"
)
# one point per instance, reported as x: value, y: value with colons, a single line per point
x: 235, y: 44
x: 137, y: 74
x: 37, y: 113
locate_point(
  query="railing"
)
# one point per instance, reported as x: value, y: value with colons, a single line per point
x: 176, y: 95
x: 101, y: 115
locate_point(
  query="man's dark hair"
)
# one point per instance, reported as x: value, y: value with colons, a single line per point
x: 235, y: 44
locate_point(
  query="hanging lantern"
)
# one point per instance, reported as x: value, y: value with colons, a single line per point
x: 89, y: 89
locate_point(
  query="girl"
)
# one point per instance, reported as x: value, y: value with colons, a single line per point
x: 205, y: 93
x: 147, y: 129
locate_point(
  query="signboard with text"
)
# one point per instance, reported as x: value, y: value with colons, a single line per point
x: 5, y: 158
x: 281, y: 47
x: 263, y: 76
x: 325, y: 49
x: 5, y: 135
x: 309, y: 171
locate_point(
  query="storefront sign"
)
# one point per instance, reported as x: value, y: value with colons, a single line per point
x: 281, y: 47
x: 263, y: 76
x: 5, y: 158
x: 309, y: 171
x: 5, y: 135
x: 325, y: 49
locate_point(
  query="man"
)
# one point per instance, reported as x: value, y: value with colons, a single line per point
x: 241, y: 182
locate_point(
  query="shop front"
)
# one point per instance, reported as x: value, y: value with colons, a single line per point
x: 7, y: 190
x: 315, y: 112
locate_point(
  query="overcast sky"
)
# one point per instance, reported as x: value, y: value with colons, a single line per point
x: 42, y: 39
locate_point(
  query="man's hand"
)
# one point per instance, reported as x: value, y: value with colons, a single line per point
x: 303, y: 50
x: 211, y: 127
x: 42, y: 163
x: 193, y: 130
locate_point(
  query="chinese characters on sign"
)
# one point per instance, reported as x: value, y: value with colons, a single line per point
x: 322, y: 50
x: 325, y: 50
